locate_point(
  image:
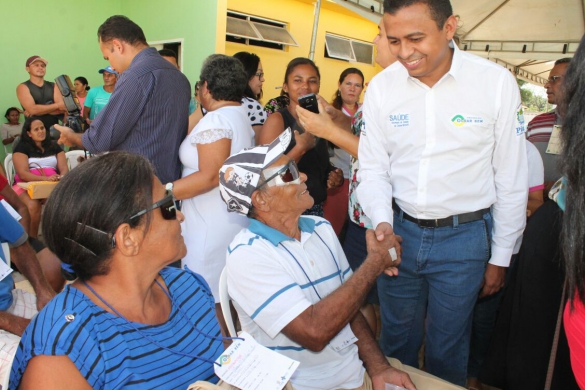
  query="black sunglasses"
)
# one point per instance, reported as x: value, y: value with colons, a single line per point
x: 167, y: 207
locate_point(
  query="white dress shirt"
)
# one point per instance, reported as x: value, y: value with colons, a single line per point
x: 454, y: 148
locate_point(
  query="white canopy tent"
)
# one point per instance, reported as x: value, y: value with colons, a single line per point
x: 525, y: 36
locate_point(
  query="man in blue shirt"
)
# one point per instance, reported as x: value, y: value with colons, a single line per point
x: 17, y: 307
x: 97, y: 98
x: 148, y: 111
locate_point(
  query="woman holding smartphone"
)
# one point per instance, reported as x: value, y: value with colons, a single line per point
x: 301, y: 78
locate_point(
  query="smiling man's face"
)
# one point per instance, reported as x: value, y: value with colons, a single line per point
x: 418, y: 43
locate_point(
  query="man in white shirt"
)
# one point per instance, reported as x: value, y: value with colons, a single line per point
x: 442, y: 143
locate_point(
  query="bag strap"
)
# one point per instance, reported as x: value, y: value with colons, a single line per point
x: 39, y: 167
x: 555, y: 343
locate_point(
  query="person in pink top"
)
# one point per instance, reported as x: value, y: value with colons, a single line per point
x: 573, y: 235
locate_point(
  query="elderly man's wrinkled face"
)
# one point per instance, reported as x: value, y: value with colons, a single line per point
x: 287, y: 196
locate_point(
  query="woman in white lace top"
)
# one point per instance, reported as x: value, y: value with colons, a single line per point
x: 223, y: 131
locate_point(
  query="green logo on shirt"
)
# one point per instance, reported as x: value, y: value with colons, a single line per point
x: 458, y: 120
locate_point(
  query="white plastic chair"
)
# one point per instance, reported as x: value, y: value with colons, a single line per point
x: 72, y: 156
x: 9, y: 168
x: 224, y: 300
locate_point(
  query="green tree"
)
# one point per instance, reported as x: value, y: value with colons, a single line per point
x: 529, y: 99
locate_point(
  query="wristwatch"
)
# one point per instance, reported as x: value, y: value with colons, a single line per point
x: 169, y: 186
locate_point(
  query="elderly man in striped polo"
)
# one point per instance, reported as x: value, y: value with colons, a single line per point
x: 292, y: 285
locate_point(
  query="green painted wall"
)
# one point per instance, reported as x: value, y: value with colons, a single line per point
x: 194, y: 21
x: 65, y: 33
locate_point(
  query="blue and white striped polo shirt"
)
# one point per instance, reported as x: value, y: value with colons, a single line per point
x: 110, y: 354
x: 273, y: 278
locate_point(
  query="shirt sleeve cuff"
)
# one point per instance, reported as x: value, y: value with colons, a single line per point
x: 21, y: 240
x: 382, y: 215
x: 501, y: 256
x: 286, y: 318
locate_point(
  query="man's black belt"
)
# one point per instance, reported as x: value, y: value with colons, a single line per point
x: 442, y: 222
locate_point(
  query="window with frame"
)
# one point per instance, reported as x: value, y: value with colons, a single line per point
x: 255, y: 31
x: 348, y: 49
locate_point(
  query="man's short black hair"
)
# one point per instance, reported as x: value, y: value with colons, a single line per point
x: 168, y: 53
x: 122, y: 28
x: 440, y: 9
x: 566, y: 60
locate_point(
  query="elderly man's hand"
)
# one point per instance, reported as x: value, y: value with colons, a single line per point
x: 66, y: 135
x: 385, y: 250
x: 43, y: 297
x: 18, y: 325
x: 393, y: 376
x: 335, y: 178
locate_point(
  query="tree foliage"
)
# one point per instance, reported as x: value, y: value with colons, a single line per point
x: 530, y: 100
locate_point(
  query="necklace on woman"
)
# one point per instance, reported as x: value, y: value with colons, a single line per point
x: 155, y: 342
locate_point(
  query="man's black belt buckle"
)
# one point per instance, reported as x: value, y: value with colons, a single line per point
x: 433, y: 223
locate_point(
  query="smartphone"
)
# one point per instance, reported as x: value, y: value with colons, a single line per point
x: 309, y: 102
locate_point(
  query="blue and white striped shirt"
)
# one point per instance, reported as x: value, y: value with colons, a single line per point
x: 147, y: 114
x: 111, y: 354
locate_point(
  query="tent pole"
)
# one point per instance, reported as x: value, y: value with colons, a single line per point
x: 583, y: 9
x: 315, y: 25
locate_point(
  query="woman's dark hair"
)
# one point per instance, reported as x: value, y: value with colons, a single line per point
x: 299, y: 61
x: 337, y: 101
x: 440, y: 9
x: 572, y: 108
x: 83, y: 81
x: 24, y: 137
x: 85, y: 209
x: 225, y: 76
x: 250, y: 62
x: 9, y: 111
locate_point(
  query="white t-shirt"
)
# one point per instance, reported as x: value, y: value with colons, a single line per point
x: 209, y: 227
x: 535, y: 177
x: 9, y: 130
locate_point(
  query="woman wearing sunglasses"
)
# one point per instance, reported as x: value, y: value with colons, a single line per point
x: 224, y: 130
x: 128, y: 320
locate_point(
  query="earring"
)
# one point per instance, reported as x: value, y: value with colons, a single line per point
x: 338, y: 92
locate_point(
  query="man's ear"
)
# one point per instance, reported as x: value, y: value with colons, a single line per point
x: 260, y: 200
x: 450, y: 27
x: 128, y: 240
x: 118, y: 45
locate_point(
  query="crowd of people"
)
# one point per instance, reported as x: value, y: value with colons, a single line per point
x: 411, y: 207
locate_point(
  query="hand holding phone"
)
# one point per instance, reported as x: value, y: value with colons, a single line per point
x: 309, y: 102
